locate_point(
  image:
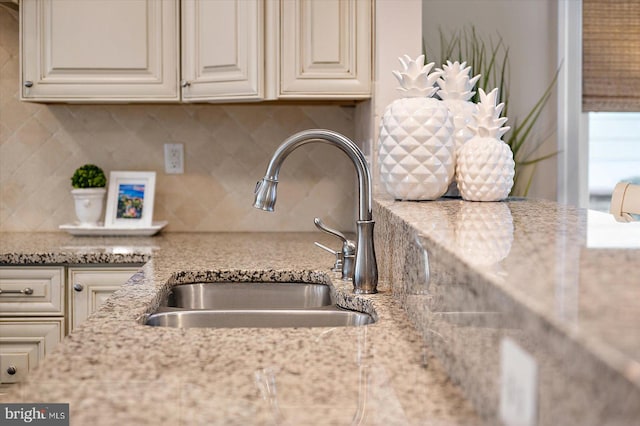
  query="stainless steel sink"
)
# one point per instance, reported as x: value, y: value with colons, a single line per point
x: 253, y: 304
x: 326, y: 317
x: 254, y: 295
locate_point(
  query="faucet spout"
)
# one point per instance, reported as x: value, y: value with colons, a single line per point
x: 365, y: 277
x: 266, y: 194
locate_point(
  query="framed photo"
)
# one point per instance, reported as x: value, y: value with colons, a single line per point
x: 130, y: 200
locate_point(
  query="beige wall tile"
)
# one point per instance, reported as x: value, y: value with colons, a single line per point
x: 227, y: 148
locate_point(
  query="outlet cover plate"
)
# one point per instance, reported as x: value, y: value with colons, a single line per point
x: 518, y: 385
x: 174, y: 158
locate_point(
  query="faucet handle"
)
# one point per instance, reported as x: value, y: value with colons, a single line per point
x: 345, y: 259
x: 321, y: 226
x: 348, y: 246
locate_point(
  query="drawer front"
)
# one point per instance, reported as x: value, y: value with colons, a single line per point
x: 90, y: 288
x: 26, y: 291
x: 24, y: 342
x: 15, y: 366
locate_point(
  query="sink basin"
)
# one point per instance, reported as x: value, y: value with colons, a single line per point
x: 327, y: 317
x: 253, y: 304
x: 251, y: 295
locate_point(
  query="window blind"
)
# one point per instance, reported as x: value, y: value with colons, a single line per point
x: 611, y: 55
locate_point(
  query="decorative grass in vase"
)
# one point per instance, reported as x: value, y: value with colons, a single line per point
x: 490, y: 58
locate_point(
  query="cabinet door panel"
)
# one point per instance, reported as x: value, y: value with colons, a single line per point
x: 222, y: 50
x: 326, y: 49
x: 100, y: 50
x: 125, y: 48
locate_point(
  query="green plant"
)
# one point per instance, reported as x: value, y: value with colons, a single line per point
x: 490, y: 58
x: 88, y: 176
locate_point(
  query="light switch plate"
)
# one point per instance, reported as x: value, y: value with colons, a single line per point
x: 518, y: 385
x: 174, y: 158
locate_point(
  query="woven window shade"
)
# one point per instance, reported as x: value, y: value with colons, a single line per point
x: 611, y: 55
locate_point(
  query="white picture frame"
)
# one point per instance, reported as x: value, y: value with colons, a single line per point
x: 130, y: 199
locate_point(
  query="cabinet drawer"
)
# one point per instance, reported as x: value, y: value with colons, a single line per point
x: 34, y: 291
x: 23, y: 344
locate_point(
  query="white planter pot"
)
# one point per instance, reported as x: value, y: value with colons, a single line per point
x: 89, y: 203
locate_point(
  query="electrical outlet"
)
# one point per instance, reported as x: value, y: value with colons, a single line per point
x: 518, y: 385
x: 174, y: 158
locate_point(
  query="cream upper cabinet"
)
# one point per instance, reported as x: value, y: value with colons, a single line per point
x: 235, y: 50
x: 222, y: 50
x: 100, y: 50
x: 325, y: 49
x: 230, y: 50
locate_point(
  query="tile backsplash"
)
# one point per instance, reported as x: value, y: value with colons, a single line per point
x: 227, y: 148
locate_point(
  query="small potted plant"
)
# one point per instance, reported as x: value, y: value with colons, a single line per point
x: 89, y: 184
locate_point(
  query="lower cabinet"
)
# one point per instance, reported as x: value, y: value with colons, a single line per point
x: 23, y: 343
x: 89, y: 288
x: 35, y: 315
x: 32, y: 318
x: 32, y: 291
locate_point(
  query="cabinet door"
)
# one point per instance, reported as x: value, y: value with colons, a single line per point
x: 222, y: 50
x: 325, y: 49
x: 99, y: 50
x: 23, y: 344
x: 89, y: 288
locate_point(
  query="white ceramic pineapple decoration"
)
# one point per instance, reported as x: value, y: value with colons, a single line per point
x: 485, y: 166
x: 456, y: 92
x: 417, y: 150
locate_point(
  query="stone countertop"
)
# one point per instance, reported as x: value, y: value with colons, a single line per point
x: 458, y: 279
x: 114, y: 370
x: 561, y: 282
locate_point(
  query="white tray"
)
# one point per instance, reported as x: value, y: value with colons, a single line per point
x: 75, y: 229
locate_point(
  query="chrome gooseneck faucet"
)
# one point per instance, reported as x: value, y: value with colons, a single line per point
x: 365, y: 274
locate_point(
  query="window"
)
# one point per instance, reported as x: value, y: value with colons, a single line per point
x: 611, y: 94
x: 614, y: 154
